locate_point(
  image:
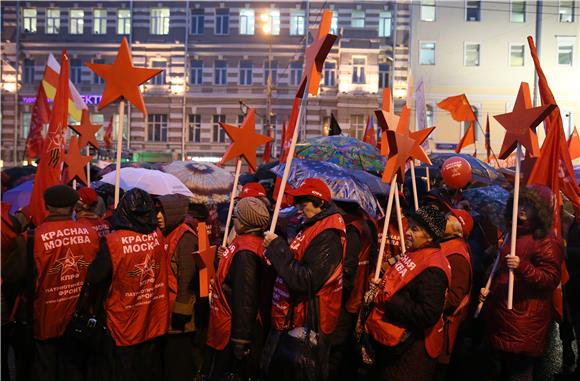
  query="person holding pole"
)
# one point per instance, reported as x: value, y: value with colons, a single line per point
x: 519, y: 335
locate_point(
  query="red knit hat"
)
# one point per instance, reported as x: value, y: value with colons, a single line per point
x: 88, y: 196
x: 312, y: 187
x: 465, y: 220
x: 252, y: 190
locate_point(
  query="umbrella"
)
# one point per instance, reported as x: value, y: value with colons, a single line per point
x: 18, y: 175
x: 345, y: 151
x: 155, y: 182
x: 343, y: 186
x: 489, y: 201
x: 208, y: 182
x: 482, y: 173
x: 375, y: 184
x: 18, y: 196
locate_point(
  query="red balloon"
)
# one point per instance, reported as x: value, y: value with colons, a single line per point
x: 456, y: 172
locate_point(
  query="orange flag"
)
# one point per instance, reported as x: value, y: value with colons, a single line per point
x: 574, y: 145
x: 49, y: 171
x: 370, y: 136
x: 459, y: 107
x: 468, y: 138
x: 108, y: 137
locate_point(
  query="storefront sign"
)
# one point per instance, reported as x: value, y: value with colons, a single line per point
x: 90, y: 100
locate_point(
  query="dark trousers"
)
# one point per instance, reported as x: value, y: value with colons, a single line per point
x: 18, y: 337
x: 57, y: 359
x: 412, y: 364
x: 516, y: 367
x: 140, y: 362
x: 344, y: 357
x: 178, y: 357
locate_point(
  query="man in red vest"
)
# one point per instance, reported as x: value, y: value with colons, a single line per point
x: 86, y: 211
x: 456, y: 250
x: 133, y: 265
x: 181, y: 242
x: 406, y: 322
x: 308, y: 291
x: 235, y: 323
x: 63, y: 250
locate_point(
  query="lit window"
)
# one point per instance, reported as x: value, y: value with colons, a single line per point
x: 157, y: 127
x: 274, y: 72
x: 197, y: 21
x: 28, y: 72
x: 245, y: 73
x: 473, y: 10
x: 518, y: 11
x: 123, y: 21
x: 297, y: 23
x: 160, y: 21
x: 334, y: 23
x: 194, y: 128
x: 76, y: 71
x: 247, y: 21
x: 222, y: 21
x: 29, y: 20
x: 76, y: 21
x: 357, y: 125
x: 383, y: 75
x: 99, y: 21
x: 428, y: 10
x: 517, y: 55
x: 566, y: 11
x: 427, y: 53
x: 218, y: 133
x: 52, y: 21
x: 566, y: 50
x: 471, y: 54
x: 26, y: 117
x: 159, y: 79
x: 330, y: 74
x: 357, y: 18
x: 385, y: 20
x: 220, y: 73
x: 96, y: 79
x: 196, y: 72
x: 295, y: 73
x: 358, y: 70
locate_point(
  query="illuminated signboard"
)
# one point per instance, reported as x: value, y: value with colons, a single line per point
x: 92, y: 99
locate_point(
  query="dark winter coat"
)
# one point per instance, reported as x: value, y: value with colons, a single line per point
x: 524, y: 328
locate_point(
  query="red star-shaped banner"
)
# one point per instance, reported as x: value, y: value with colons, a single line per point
x: 418, y: 153
x: 521, y: 123
x: 204, y: 258
x: 387, y: 119
x: 315, y: 56
x: 245, y: 140
x: 76, y: 162
x: 122, y: 79
x: 86, y: 130
x: 400, y: 147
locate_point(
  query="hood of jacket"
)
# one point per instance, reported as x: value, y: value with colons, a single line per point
x: 174, y: 208
x: 135, y: 212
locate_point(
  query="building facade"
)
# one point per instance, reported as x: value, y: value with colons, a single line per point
x: 217, y: 57
x: 479, y: 48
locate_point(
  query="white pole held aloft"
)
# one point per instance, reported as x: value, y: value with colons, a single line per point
x: 88, y: 168
x: 232, y: 200
x: 400, y: 219
x: 428, y: 179
x: 414, y: 181
x: 385, y: 228
x: 119, y: 150
x: 515, y: 211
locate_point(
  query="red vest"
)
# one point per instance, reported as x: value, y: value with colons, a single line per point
x: 100, y: 225
x: 329, y: 295
x: 171, y: 242
x: 396, y: 278
x: 138, y: 304
x: 453, y: 321
x: 220, y: 319
x: 362, y: 272
x: 63, y: 250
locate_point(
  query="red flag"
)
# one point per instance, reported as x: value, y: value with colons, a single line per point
x: 290, y: 131
x: 49, y: 171
x: 370, y: 136
x: 266, y: 154
x: 108, y: 137
x: 40, y: 116
x: 459, y: 107
x: 468, y: 138
x: 574, y: 145
x: 487, y: 140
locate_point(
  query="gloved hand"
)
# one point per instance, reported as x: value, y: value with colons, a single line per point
x: 178, y: 321
x: 241, y: 350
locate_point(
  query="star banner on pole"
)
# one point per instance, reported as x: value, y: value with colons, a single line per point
x: 86, y: 130
x: 76, y: 162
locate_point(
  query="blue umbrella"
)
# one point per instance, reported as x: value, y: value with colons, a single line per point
x: 489, y: 201
x: 18, y: 196
x: 343, y: 186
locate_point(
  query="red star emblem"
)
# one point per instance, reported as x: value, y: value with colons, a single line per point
x: 86, y: 130
x: 400, y: 147
x: 315, y: 56
x: 122, y: 79
x: 521, y: 123
x: 418, y: 153
x: 205, y: 257
x: 76, y: 162
x: 386, y: 119
x: 245, y: 140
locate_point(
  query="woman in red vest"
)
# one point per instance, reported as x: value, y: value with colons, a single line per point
x: 235, y: 325
x: 308, y: 291
x: 406, y: 323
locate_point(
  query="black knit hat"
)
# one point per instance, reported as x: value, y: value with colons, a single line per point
x: 61, y: 196
x: 431, y: 219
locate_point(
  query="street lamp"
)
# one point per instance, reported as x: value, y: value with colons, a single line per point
x: 267, y: 26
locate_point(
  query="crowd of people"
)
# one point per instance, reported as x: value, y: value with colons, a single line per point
x: 103, y: 293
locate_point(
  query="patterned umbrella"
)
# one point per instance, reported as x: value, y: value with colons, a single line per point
x: 345, y: 151
x: 342, y: 184
x: 489, y: 201
x: 208, y: 182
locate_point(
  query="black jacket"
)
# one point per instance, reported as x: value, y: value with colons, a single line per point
x: 319, y: 262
